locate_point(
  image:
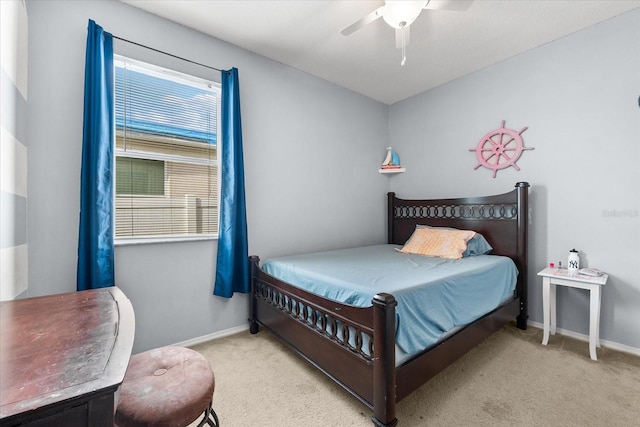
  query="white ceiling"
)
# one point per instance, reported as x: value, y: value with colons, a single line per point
x: 445, y: 45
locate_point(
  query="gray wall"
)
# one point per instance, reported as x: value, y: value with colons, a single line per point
x: 311, y: 154
x: 14, y: 152
x: 579, y: 98
x: 312, y: 151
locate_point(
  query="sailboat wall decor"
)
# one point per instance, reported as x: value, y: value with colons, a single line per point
x: 391, y: 163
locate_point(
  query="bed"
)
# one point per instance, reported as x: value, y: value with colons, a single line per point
x: 354, y: 344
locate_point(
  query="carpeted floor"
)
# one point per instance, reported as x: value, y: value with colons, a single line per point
x: 508, y: 380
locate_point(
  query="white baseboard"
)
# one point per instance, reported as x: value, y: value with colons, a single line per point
x: 610, y: 344
x: 213, y: 336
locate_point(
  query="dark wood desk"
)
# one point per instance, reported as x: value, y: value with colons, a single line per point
x: 63, y: 357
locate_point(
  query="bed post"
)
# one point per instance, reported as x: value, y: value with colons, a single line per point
x: 390, y: 198
x: 384, y: 361
x: 523, y: 222
x: 253, y: 324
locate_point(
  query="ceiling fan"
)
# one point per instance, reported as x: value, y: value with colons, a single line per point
x: 400, y: 14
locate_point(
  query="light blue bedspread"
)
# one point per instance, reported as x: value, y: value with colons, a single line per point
x: 434, y: 295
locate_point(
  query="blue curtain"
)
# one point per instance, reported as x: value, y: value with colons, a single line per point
x: 232, y: 273
x: 95, y: 242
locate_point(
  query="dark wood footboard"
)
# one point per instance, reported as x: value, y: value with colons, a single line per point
x: 353, y: 346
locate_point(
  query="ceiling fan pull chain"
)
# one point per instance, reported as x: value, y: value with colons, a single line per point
x: 404, y: 56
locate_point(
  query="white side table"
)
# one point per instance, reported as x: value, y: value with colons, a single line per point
x: 556, y: 276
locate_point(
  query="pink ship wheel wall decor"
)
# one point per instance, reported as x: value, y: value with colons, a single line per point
x: 500, y: 149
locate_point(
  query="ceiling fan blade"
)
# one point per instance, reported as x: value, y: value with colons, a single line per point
x: 362, y: 22
x: 457, y: 5
x: 407, y: 38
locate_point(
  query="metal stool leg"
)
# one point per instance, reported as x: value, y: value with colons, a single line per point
x: 210, y: 417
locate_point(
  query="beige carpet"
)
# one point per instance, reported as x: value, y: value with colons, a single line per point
x: 508, y: 380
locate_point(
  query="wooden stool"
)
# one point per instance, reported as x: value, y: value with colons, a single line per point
x: 167, y: 387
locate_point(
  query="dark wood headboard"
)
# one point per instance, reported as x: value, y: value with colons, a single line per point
x: 501, y: 219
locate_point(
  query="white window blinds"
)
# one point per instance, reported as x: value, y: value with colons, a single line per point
x: 166, y: 152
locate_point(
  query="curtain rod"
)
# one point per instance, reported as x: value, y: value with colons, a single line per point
x: 165, y: 53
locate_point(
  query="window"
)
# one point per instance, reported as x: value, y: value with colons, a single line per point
x: 166, y: 154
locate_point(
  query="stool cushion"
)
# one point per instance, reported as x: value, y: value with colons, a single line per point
x: 165, y: 387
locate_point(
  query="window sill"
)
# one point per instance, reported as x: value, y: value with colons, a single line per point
x: 161, y: 239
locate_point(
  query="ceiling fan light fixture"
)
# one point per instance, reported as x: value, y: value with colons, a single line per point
x: 401, y: 13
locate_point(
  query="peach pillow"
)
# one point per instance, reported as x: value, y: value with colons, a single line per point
x: 438, y: 242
